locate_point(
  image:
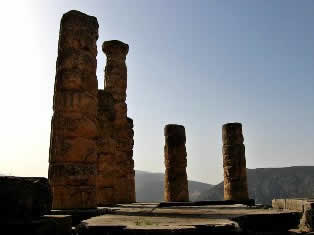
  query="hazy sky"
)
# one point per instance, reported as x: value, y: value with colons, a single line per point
x: 198, y: 63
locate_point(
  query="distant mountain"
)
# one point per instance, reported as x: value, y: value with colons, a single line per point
x: 267, y: 183
x: 150, y: 187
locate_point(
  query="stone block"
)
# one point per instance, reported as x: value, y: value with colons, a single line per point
x: 75, y: 102
x: 74, y: 125
x: 232, y: 134
x: 279, y: 203
x: 71, y: 59
x: 76, y: 80
x: 105, y: 196
x: 74, y: 197
x: 23, y: 198
x: 72, y: 149
x: 307, y: 220
x: 71, y: 174
x: 295, y: 204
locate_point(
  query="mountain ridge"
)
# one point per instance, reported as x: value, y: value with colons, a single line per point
x: 265, y: 184
x: 149, y: 187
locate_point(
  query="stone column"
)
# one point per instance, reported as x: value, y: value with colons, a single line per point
x: 120, y: 133
x: 106, y: 162
x: 176, y: 184
x: 72, y: 154
x: 233, y: 150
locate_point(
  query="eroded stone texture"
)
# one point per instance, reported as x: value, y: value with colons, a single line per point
x: 176, y: 184
x: 73, y: 153
x: 115, y: 165
x: 233, y: 150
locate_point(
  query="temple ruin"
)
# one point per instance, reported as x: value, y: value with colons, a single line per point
x: 91, y: 150
x: 73, y: 152
x: 176, y: 183
x: 91, y: 188
x: 233, y: 150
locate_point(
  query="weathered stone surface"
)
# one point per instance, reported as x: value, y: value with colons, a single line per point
x: 73, y: 149
x: 234, y: 163
x: 77, y: 215
x: 23, y: 199
x: 71, y: 174
x: 176, y: 184
x: 150, y: 218
x: 115, y: 166
x: 79, y: 197
x: 303, y: 205
x: 116, y: 70
x: 307, y: 220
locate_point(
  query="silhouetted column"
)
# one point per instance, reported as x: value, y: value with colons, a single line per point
x: 72, y: 155
x: 233, y: 150
x: 176, y: 184
x: 116, y: 155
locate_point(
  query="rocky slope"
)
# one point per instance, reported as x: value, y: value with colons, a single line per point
x: 267, y: 183
x: 150, y: 187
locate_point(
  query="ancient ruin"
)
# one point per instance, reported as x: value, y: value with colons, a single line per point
x: 115, y: 165
x: 233, y: 150
x: 176, y: 184
x: 91, y: 164
x: 73, y: 152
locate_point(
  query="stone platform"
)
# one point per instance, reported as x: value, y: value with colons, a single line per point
x: 81, y: 214
x: 150, y: 218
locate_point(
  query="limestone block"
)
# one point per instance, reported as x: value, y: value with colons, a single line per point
x: 24, y: 198
x: 79, y: 39
x: 75, y: 102
x: 232, y: 134
x: 105, y: 196
x: 307, y: 220
x: 71, y: 59
x: 74, y: 125
x: 106, y: 105
x: 75, y: 79
x: 71, y: 174
x: 106, y: 163
x: 76, y: 197
x: 279, y: 203
x: 72, y: 149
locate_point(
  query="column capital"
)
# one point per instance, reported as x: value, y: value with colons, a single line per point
x: 115, y: 49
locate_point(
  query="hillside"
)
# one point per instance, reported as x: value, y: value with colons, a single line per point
x: 150, y: 187
x: 268, y: 183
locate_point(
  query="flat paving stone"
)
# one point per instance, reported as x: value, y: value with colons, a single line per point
x: 151, y: 217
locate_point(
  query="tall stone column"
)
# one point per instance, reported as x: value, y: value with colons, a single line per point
x: 72, y: 154
x: 118, y: 133
x: 176, y: 183
x: 233, y: 150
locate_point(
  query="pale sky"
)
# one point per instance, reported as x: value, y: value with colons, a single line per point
x: 196, y: 63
